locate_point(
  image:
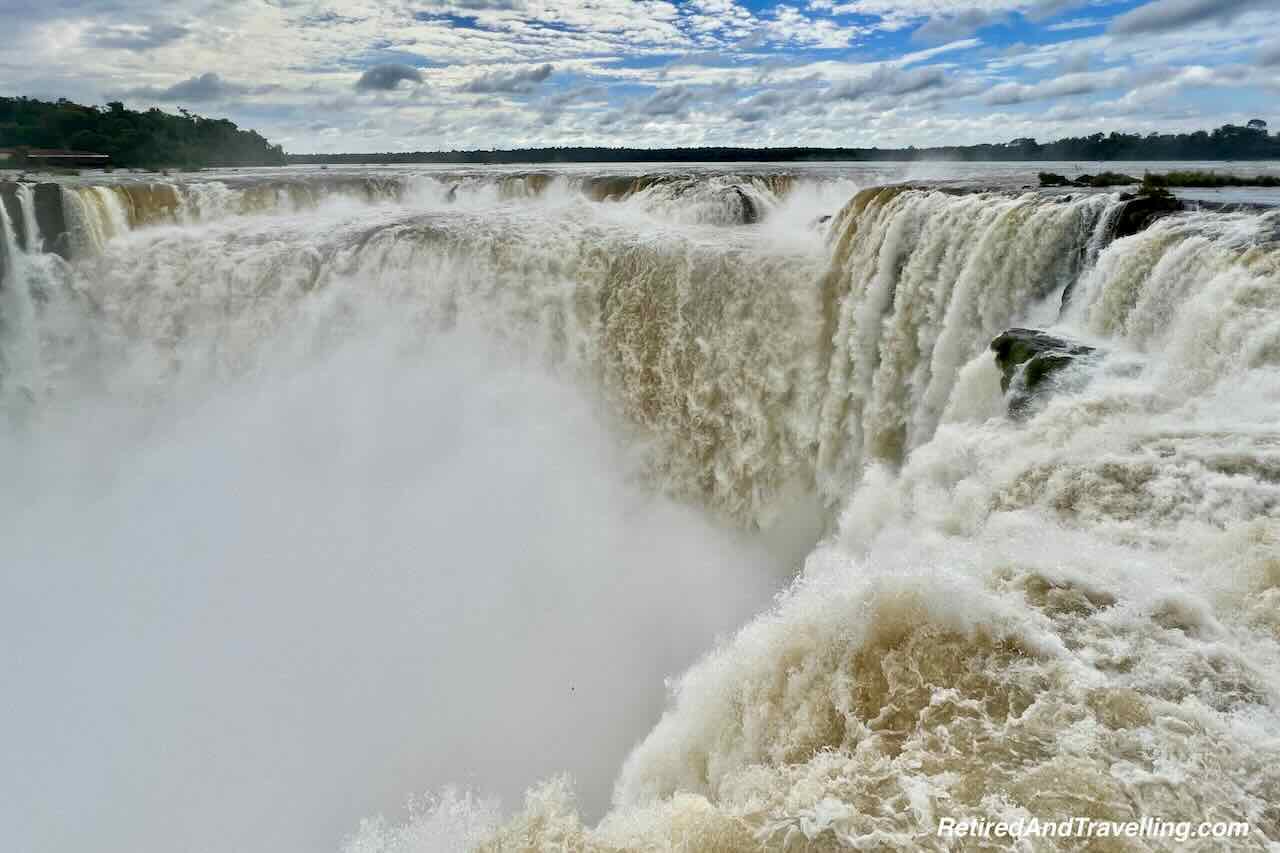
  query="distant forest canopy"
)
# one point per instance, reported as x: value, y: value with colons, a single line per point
x: 157, y: 139
x: 1229, y: 142
x: 151, y: 139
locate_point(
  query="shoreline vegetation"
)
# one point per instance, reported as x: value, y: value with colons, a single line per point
x: 1251, y: 141
x: 156, y: 140
x: 1154, y: 182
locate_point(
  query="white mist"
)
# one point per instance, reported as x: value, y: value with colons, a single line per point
x: 244, y: 620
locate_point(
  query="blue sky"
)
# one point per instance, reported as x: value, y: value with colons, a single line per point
x: 386, y: 75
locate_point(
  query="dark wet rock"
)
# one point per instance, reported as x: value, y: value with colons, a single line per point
x: 618, y: 187
x: 1106, y: 179
x: 1138, y: 212
x: 5, y: 260
x: 1027, y: 359
x: 1052, y: 179
x: 750, y: 213
x: 50, y: 219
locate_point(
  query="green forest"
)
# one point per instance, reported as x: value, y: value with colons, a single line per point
x: 152, y: 139
x: 1229, y: 142
x: 157, y: 139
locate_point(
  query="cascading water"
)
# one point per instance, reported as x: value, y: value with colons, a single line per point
x: 18, y: 361
x: 32, y: 239
x: 281, y: 481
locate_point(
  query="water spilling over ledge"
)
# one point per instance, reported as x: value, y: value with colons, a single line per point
x: 1073, y: 611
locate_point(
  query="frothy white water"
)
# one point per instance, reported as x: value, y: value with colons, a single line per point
x: 706, y: 341
x: 919, y: 285
x: 1072, y: 613
x: 95, y: 214
x: 1076, y: 615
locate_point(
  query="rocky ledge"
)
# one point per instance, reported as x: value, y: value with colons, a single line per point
x: 1028, y: 359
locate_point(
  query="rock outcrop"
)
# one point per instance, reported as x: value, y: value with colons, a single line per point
x: 1027, y: 359
x: 750, y: 214
x: 51, y: 222
x: 1138, y: 212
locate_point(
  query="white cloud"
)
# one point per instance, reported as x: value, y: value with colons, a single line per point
x: 1165, y: 15
x: 1068, y: 85
x: 382, y: 78
x: 487, y: 72
x: 200, y: 89
x: 518, y: 81
x: 929, y: 53
x: 1074, y: 24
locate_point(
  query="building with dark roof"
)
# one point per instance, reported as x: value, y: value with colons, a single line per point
x: 52, y: 157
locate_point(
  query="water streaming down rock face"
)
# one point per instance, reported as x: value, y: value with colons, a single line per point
x: 760, y: 376
x: 17, y: 316
x: 1072, y: 613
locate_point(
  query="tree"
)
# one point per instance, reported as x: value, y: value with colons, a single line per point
x: 151, y: 139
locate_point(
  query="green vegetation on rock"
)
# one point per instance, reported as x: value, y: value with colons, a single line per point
x: 1027, y: 358
x: 1213, y: 179
x: 1229, y: 142
x: 1155, y: 183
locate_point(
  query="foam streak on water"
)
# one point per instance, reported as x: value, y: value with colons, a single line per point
x: 332, y: 490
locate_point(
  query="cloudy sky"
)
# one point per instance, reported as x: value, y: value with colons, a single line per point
x: 386, y: 75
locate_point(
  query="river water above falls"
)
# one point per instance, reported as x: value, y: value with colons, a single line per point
x: 700, y: 486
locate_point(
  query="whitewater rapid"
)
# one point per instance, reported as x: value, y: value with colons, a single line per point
x: 325, y: 491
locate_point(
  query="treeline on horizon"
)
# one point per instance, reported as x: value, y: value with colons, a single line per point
x: 151, y: 139
x: 1229, y: 142
x: 158, y: 139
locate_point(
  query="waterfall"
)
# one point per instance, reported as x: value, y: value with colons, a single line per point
x: 920, y: 283
x: 429, y: 441
x: 18, y: 358
x: 32, y: 238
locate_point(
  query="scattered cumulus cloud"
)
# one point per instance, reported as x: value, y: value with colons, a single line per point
x: 667, y: 102
x: 138, y: 37
x: 510, y: 82
x: 384, y: 78
x: 483, y: 5
x: 888, y: 80
x: 1165, y: 15
x: 1066, y: 86
x: 203, y: 88
x: 948, y: 27
x: 1074, y: 24
x: 485, y: 73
